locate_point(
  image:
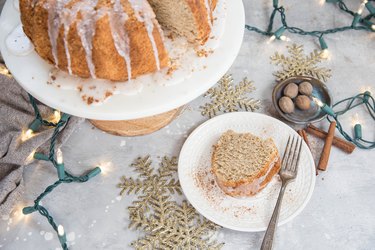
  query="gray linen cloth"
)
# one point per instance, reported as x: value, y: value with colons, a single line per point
x: 2, y: 2
x: 16, y: 113
x: 1, y: 8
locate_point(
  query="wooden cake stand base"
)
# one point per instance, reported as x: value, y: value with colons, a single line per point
x: 137, y: 127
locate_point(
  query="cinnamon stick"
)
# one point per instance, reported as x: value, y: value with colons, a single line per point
x: 300, y: 133
x: 345, y: 146
x: 303, y: 134
x: 305, y: 138
x: 323, y: 162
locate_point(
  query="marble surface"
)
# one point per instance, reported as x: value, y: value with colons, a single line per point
x: 339, y: 215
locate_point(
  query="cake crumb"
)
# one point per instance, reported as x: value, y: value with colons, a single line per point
x: 172, y: 66
x: 171, y: 70
x: 108, y: 94
x: 90, y: 100
x: 204, y: 53
x: 171, y: 36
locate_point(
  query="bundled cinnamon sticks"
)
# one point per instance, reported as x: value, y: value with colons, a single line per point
x: 338, y: 142
x: 330, y: 139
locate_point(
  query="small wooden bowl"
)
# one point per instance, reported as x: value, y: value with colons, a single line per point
x: 314, y: 114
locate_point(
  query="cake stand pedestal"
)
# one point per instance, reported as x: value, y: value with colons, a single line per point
x: 137, y: 127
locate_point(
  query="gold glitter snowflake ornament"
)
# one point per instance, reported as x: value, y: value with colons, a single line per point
x: 151, y: 183
x: 228, y: 97
x: 299, y: 64
x: 166, y: 223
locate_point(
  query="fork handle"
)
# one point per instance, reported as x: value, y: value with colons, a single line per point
x: 268, y: 237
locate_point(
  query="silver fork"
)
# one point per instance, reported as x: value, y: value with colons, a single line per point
x: 288, y: 172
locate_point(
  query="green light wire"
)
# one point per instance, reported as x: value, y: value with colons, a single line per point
x: 365, y: 24
x: 69, y: 178
x: 359, y: 23
x: 353, y: 102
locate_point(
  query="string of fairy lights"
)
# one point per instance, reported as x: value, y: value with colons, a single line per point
x: 360, y: 22
x: 364, y: 99
x: 55, y: 157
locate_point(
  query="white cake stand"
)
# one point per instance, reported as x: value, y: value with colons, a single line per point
x: 32, y: 73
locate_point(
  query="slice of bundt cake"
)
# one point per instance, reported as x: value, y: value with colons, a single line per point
x: 191, y: 19
x: 243, y: 164
x: 111, y: 39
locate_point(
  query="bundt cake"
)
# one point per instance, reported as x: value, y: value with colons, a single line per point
x: 243, y: 164
x: 112, y: 39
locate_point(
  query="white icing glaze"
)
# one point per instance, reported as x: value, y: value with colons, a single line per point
x: 86, y: 30
x: 18, y: 43
x: 70, y: 16
x: 208, y: 8
x: 217, y: 31
x: 121, y: 40
x: 54, y: 21
x: 59, y: 15
x: 145, y: 14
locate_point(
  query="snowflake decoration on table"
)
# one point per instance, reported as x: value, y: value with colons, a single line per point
x: 4, y: 71
x: 166, y: 223
x: 228, y: 97
x: 299, y: 64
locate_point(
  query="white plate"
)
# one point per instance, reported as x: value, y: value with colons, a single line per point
x: 32, y: 73
x: 243, y: 214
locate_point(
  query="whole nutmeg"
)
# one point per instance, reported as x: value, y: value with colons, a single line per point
x: 303, y: 102
x: 291, y: 90
x: 305, y: 88
x: 286, y: 105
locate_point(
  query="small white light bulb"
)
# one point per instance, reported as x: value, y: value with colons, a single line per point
x: 57, y: 115
x: 272, y: 38
x: 325, y: 54
x: 362, y: 7
x: 284, y: 38
x: 60, y: 230
x: 30, y: 158
x: 106, y: 167
x: 27, y: 135
x: 363, y: 89
x: 59, y: 156
x: 318, y: 102
x: 356, y: 120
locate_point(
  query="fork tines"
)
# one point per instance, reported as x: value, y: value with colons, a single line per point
x: 292, y: 154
